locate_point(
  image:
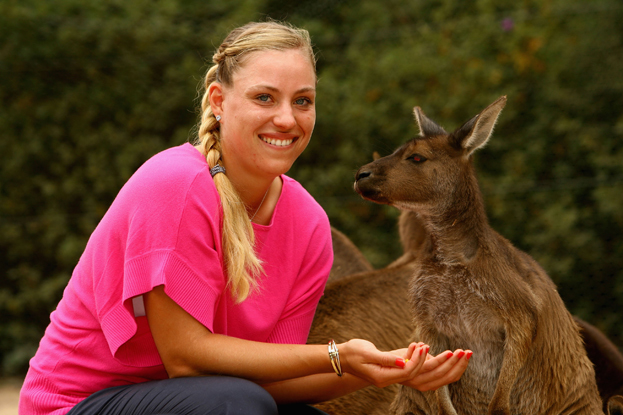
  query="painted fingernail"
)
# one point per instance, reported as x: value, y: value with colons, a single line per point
x: 469, y: 355
x: 449, y: 355
x: 400, y: 362
x: 460, y: 354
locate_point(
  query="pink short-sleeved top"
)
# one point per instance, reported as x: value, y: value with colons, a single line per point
x: 164, y: 229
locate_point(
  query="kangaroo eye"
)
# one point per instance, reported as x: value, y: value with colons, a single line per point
x: 417, y: 158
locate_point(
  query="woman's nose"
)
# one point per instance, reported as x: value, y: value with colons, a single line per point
x: 284, y: 118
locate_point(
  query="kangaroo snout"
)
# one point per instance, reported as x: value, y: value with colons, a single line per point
x: 360, y: 177
x: 368, y: 187
x: 362, y: 174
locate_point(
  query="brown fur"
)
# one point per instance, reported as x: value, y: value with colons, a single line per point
x: 607, y: 359
x: 615, y: 405
x: 415, y: 242
x: 603, y: 354
x: 371, y: 306
x: 413, y: 238
x: 601, y: 351
x: 347, y: 259
x: 475, y: 290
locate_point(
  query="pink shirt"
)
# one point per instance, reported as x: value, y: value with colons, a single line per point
x: 164, y: 229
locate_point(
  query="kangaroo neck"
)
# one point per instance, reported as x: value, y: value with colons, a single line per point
x: 459, y: 228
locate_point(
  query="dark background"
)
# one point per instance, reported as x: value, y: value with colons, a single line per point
x: 89, y: 89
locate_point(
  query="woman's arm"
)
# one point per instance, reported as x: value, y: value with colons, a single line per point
x: 314, y: 388
x: 187, y: 348
x: 435, y: 372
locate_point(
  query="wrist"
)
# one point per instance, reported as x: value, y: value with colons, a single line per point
x: 344, y: 350
x: 334, y: 358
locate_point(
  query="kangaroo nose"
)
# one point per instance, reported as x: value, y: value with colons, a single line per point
x: 363, y: 175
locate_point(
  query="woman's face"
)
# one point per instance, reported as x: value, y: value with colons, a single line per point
x: 268, y: 114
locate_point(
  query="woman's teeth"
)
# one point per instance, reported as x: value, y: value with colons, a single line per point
x: 280, y: 143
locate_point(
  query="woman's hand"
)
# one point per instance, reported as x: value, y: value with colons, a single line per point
x: 362, y: 359
x: 440, y: 370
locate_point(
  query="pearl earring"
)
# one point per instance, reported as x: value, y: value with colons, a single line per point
x: 218, y: 118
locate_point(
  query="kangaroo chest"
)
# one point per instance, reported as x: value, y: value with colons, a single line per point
x: 451, y: 304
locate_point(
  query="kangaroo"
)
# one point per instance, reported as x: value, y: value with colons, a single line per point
x: 603, y: 354
x: 474, y: 290
x: 344, y: 313
x: 607, y: 359
x: 347, y: 259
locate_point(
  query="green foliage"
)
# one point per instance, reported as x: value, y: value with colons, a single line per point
x: 91, y: 89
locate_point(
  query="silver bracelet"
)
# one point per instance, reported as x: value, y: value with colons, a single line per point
x: 334, y: 356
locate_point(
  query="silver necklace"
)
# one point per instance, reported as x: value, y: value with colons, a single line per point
x: 258, y: 208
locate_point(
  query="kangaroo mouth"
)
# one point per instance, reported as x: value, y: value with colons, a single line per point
x: 370, y: 193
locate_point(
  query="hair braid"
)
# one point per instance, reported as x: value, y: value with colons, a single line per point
x: 241, y: 263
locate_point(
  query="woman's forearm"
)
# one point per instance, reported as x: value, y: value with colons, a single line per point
x: 256, y: 361
x: 187, y: 348
x: 314, y: 388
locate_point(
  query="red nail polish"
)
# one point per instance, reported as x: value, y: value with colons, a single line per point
x: 469, y: 355
x: 400, y: 362
x: 449, y: 355
x: 461, y: 354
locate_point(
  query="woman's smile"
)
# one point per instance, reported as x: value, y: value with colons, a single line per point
x: 278, y: 139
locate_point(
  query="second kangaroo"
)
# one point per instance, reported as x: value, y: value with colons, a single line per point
x: 474, y: 290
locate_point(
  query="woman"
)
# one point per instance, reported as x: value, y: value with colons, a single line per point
x: 201, y: 281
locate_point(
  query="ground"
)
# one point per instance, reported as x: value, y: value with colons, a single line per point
x: 9, y: 394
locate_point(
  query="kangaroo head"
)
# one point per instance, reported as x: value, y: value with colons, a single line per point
x: 426, y: 172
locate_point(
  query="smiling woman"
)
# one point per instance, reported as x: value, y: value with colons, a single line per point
x: 267, y: 118
x: 196, y: 291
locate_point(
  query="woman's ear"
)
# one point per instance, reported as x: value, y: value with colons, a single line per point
x: 215, y: 95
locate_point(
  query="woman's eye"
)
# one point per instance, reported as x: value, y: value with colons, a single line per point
x: 264, y: 98
x: 303, y: 101
x: 418, y: 158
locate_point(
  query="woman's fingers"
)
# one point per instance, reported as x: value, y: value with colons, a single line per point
x: 435, y: 361
x: 412, y: 366
x: 408, y: 352
x: 441, y: 370
x: 362, y: 359
x: 415, y: 352
x: 418, y: 359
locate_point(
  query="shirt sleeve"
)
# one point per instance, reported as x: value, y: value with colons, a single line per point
x: 162, y: 229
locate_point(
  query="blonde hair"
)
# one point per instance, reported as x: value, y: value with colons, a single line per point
x: 241, y: 263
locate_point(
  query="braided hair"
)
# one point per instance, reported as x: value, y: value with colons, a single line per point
x: 241, y: 263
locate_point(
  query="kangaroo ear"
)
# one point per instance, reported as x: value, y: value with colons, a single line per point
x: 475, y: 133
x: 427, y: 126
